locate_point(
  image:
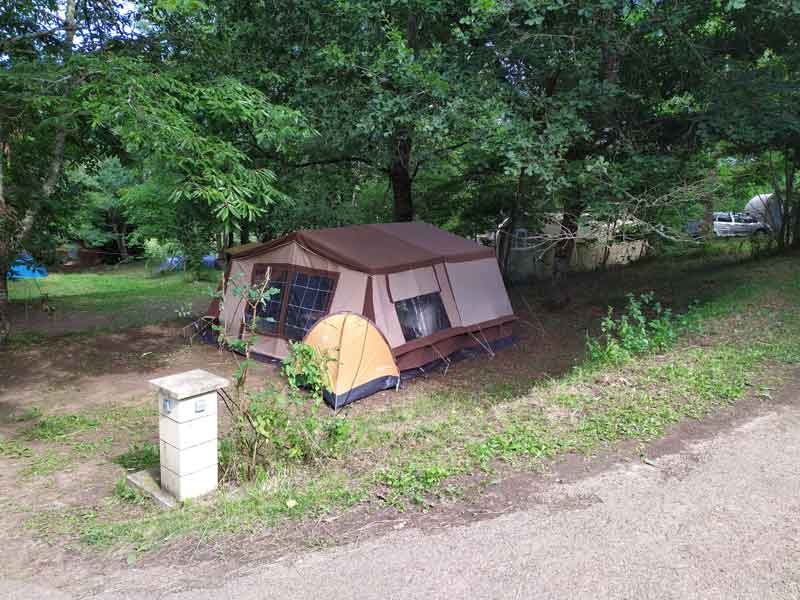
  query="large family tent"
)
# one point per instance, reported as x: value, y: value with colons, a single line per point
x: 422, y: 294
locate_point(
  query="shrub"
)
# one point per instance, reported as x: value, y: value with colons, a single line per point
x: 645, y: 326
x: 305, y: 368
x: 272, y: 426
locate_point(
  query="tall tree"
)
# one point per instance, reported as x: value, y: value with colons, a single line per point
x: 395, y: 86
x: 92, y: 83
x: 751, y: 100
x: 37, y: 83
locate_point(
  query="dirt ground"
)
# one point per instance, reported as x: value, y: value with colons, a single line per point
x: 69, y: 373
x: 31, y: 319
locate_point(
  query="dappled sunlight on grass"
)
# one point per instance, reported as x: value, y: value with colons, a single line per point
x: 105, y: 290
x: 116, y: 298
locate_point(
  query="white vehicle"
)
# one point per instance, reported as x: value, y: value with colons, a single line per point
x: 731, y: 224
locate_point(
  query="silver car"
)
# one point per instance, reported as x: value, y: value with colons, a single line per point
x: 730, y: 224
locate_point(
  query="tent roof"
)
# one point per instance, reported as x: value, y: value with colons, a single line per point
x: 380, y: 247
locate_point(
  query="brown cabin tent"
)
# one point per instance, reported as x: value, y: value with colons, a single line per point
x: 423, y: 294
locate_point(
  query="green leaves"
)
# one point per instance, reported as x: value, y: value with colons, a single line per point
x: 736, y: 4
x: 306, y: 368
x: 199, y: 130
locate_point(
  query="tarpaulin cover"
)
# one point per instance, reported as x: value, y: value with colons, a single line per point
x: 26, y: 268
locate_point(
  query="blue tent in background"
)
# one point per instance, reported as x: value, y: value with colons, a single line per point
x: 174, y: 263
x: 25, y: 267
x: 210, y: 260
x: 171, y: 263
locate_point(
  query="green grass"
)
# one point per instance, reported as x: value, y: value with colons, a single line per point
x: 14, y: 449
x: 412, y: 481
x: 122, y: 297
x: 260, y: 504
x: 59, y: 427
x: 139, y: 456
x: 47, y: 464
x: 426, y: 449
x: 28, y: 414
x: 125, y: 493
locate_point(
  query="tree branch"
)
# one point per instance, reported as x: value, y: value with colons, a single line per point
x: 28, y: 36
x: 331, y: 161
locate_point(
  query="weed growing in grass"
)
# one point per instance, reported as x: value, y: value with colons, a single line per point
x: 640, y: 418
x: 645, y: 326
x: 413, y: 482
x: 139, y: 456
x: 34, y: 412
x: 14, y: 449
x: 529, y: 440
x: 122, y: 491
x: 50, y: 524
x: 58, y: 427
x: 84, y: 449
x: 46, y: 464
x: 271, y: 426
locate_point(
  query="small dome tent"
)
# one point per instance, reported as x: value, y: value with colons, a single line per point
x: 427, y: 293
x: 359, y: 359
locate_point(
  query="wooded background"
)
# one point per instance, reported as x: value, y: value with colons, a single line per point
x: 187, y: 122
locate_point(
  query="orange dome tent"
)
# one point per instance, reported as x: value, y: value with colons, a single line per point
x: 360, y: 359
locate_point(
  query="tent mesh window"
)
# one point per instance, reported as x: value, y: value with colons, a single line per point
x: 268, y: 317
x: 422, y: 316
x: 309, y: 299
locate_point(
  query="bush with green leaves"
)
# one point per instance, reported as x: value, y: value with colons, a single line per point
x: 645, y: 326
x: 289, y: 425
x: 272, y: 426
x: 306, y: 368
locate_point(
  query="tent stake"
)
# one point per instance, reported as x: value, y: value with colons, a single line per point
x: 446, y: 360
x: 483, y: 344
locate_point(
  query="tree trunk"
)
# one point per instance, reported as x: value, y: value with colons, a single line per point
x: 563, y: 254
x: 244, y: 232
x: 57, y: 160
x: 789, y: 197
x: 122, y: 245
x: 400, y: 166
x: 611, y: 56
x: 507, y: 242
x: 401, y: 176
x: 566, y: 246
x: 708, y: 218
x: 5, y: 247
x: 5, y: 321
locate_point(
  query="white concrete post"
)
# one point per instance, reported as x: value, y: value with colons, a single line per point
x: 187, y: 404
